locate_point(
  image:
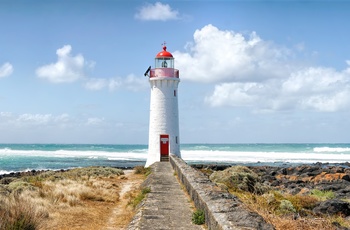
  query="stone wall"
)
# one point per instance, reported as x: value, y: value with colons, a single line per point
x: 222, y: 209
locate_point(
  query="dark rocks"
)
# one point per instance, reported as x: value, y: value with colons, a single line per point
x: 334, y: 206
x: 293, y: 180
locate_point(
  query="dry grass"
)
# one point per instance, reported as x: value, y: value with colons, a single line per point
x: 84, y: 198
x: 282, y: 210
x: 285, y: 211
x: 17, y: 213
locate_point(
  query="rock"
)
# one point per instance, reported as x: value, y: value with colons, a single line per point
x: 339, y: 227
x: 333, y: 206
x: 7, y: 180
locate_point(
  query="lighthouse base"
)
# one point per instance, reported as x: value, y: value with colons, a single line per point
x: 157, y: 158
x: 164, y: 158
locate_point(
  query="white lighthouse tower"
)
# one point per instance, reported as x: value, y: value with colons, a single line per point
x: 164, y: 113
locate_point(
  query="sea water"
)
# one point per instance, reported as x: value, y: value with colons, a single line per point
x: 25, y: 157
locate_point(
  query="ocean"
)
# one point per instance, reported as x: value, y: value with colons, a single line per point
x: 26, y: 157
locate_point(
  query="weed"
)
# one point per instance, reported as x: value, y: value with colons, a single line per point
x: 322, y: 195
x: 146, y: 190
x: 198, y: 217
x: 142, y: 170
x: 18, y: 213
x: 136, y: 200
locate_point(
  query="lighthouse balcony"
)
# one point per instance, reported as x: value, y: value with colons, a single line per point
x: 164, y: 72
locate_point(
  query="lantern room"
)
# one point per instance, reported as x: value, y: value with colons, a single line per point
x: 164, y: 59
x: 164, y: 66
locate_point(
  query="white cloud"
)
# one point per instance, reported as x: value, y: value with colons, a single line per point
x: 68, y: 68
x: 28, y: 119
x: 320, y: 89
x: 131, y: 82
x: 6, y: 70
x: 34, y: 118
x: 219, y: 55
x: 156, y: 12
x: 251, y: 72
x: 94, y: 121
x: 21, y: 121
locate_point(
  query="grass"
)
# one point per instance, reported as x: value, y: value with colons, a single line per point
x: 322, y: 195
x: 198, y: 217
x: 142, y: 170
x: 28, y: 202
x: 285, y: 211
x: 282, y: 210
x: 17, y: 213
x: 135, y: 200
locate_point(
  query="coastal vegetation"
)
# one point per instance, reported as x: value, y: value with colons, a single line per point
x: 198, y: 217
x: 82, y: 198
x: 282, y: 206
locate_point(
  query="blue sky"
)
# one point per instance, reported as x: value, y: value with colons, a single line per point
x: 251, y: 71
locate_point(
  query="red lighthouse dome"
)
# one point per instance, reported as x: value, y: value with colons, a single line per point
x: 164, y: 54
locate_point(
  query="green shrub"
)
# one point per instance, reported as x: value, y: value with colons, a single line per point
x: 198, y: 217
x: 142, y: 170
x: 286, y: 207
x: 239, y: 178
x: 137, y: 200
x: 322, y: 195
x: 18, y: 186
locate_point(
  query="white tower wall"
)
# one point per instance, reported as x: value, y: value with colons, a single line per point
x: 164, y: 117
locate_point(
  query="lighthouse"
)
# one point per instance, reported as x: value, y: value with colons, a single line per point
x: 164, y: 113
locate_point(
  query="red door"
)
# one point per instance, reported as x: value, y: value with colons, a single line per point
x: 164, y: 144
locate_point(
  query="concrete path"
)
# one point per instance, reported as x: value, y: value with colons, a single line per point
x: 167, y: 206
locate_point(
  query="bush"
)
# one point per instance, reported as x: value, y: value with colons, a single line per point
x: 142, y: 170
x: 322, y: 195
x: 286, y: 207
x: 239, y: 178
x: 18, y: 213
x: 198, y: 217
x: 137, y: 200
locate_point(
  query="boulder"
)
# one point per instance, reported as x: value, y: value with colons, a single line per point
x: 334, y: 206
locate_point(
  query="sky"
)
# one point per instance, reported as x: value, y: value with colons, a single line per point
x: 251, y: 71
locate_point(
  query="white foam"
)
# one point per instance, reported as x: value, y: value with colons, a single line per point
x: 330, y: 149
x: 320, y: 154
x: 2, y: 172
x: 73, y: 153
x: 253, y: 157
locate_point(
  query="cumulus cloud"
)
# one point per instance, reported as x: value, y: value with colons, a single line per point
x: 156, y: 12
x: 250, y: 72
x: 68, y: 68
x: 131, y: 82
x: 320, y: 89
x: 6, y: 70
x: 217, y: 55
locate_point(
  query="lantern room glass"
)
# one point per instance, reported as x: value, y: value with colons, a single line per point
x: 164, y: 63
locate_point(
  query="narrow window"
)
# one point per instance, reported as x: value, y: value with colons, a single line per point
x: 176, y: 140
x: 174, y: 93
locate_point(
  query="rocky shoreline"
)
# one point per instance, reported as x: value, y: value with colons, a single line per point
x: 303, y: 180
